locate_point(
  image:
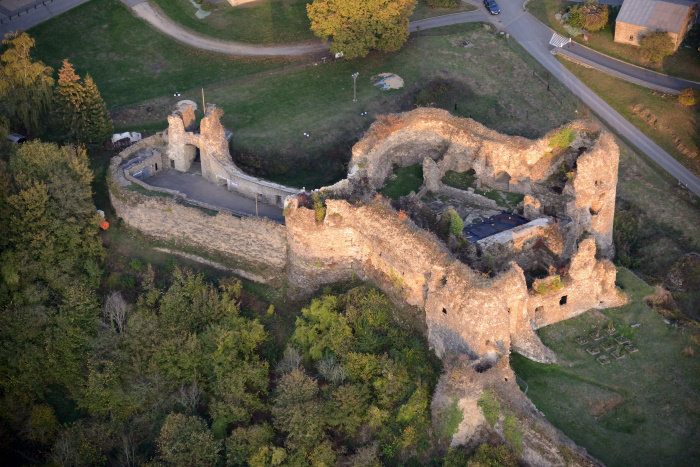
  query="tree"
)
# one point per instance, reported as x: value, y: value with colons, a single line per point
x: 298, y: 411
x: 25, y: 85
x: 185, y: 441
x: 590, y: 17
x: 359, y: 26
x: 80, y: 115
x: 687, y: 97
x: 656, y: 46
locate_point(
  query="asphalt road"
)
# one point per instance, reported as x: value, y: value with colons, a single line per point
x: 534, y: 37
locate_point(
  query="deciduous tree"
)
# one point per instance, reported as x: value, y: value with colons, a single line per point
x: 656, y: 46
x: 25, y: 85
x: 358, y: 26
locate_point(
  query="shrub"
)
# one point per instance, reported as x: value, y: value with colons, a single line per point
x: 687, y: 97
x: 207, y: 6
x: 544, y: 287
x: 513, y: 433
x: 689, y: 352
x: 443, y: 3
x: 451, y: 417
x: 563, y: 139
x: 319, y: 207
x: 489, y: 406
x: 456, y: 223
x: 656, y: 46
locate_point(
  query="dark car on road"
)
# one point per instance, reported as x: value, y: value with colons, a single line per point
x: 492, y: 7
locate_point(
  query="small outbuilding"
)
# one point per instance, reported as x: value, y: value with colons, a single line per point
x: 638, y: 18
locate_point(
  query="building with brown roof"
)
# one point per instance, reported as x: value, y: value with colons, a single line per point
x: 638, y: 18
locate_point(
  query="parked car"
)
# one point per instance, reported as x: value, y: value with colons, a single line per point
x: 15, y: 138
x: 492, y: 7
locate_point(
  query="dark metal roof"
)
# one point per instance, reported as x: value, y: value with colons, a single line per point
x: 493, y: 225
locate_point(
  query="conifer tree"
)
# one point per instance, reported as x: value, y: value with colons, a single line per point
x: 99, y: 125
x: 68, y: 102
x: 80, y: 114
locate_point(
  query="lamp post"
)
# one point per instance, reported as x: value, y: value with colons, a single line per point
x: 354, y: 86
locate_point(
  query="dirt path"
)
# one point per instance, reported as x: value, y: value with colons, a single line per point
x: 174, y: 30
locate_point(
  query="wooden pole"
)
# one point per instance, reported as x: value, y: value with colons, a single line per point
x: 204, y: 106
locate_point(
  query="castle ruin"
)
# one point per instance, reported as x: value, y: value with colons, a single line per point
x: 568, y: 179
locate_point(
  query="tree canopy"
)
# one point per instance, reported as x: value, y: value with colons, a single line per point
x: 356, y: 27
x: 79, y: 114
x: 656, y: 46
x: 25, y: 85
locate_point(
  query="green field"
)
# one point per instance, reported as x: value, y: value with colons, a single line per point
x: 266, y: 21
x: 132, y: 62
x: 261, y: 22
x: 640, y: 410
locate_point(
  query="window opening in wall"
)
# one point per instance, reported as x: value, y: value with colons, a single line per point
x: 508, y: 310
x: 279, y: 199
x: 444, y: 311
x: 539, y: 309
x: 172, y: 163
x: 563, y: 300
x: 631, y: 38
x: 156, y: 166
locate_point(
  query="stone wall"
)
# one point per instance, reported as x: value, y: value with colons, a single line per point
x: 626, y: 33
x: 252, y: 241
x: 466, y: 312
x: 584, y: 204
x: 217, y: 164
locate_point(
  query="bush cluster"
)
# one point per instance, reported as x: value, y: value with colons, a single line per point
x: 443, y: 3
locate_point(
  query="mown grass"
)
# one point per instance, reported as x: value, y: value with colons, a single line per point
x: 262, y: 22
x: 267, y: 21
x: 685, y: 63
x: 270, y: 115
x: 669, y: 113
x: 632, y: 411
x: 132, y: 62
x: 423, y: 11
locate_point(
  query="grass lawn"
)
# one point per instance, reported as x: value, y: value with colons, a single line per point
x: 269, y: 115
x: 267, y: 21
x: 404, y: 181
x: 684, y: 122
x: 640, y: 410
x: 261, y: 22
x: 685, y: 63
x: 129, y: 60
x: 422, y: 11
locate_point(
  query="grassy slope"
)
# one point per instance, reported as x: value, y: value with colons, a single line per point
x: 685, y: 63
x: 270, y: 115
x: 265, y: 22
x: 641, y: 409
x: 622, y: 96
x: 129, y: 60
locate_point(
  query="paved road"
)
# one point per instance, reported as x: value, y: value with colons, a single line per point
x: 34, y: 16
x: 197, y: 188
x: 629, y: 72
x: 534, y: 37
x: 162, y: 23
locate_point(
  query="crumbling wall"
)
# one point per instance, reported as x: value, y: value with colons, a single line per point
x: 217, y: 164
x: 584, y: 201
